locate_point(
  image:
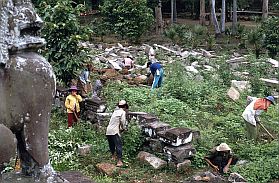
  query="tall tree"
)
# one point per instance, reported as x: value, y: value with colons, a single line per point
x: 234, y: 22
x: 173, y: 11
x: 159, y: 18
x: 202, y: 12
x: 223, y: 16
x: 265, y: 9
x: 214, y: 18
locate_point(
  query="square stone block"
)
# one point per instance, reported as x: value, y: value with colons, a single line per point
x: 147, y: 118
x: 176, y: 136
x: 155, y: 144
x: 151, y: 129
x: 179, y: 154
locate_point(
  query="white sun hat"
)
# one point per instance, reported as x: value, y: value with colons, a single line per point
x: 223, y: 147
x: 122, y: 102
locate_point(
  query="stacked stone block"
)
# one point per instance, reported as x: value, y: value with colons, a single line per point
x: 174, y: 143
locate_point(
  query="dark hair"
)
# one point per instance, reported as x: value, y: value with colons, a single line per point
x: 148, y: 64
x: 124, y: 106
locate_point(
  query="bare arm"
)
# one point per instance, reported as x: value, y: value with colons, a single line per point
x: 226, y: 168
x: 211, y: 164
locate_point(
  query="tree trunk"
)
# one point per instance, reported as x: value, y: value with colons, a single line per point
x: 173, y: 11
x: 234, y: 22
x: 214, y: 18
x: 223, y: 16
x: 172, y: 4
x: 265, y: 9
x: 202, y: 12
x: 210, y: 16
x: 159, y: 18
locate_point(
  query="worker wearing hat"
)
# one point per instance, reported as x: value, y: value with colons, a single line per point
x: 116, y: 125
x: 72, y: 105
x: 220, y: 158
x: 255, y: 106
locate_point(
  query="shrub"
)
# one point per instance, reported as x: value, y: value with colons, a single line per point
x: 270, y: 29
x: 63, y: 33
x: 129, y: 18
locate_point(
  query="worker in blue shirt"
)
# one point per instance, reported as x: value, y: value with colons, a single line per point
x: 157, y: 71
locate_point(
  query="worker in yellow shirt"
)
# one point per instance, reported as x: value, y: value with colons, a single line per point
x: 72, y: 106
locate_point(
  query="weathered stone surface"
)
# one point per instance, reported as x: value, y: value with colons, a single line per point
x: 271, y: 82
x: 106, y: 168
x: 155, y: 144
x: 179, y: 154
x: 233, y: 94
x: 84, y: 150
x: 152, y: 160
x: 151, y: 129
x: 148, y: 118
x: 136, y: 115
x: 236, y: 59
x: 274, y: 63
x: 76, y: 177
x: 176, y: 136
x: 184, y: 166
x: 12, y: 177
x: 191, y: 69
x: 240, y: 85
x: 235, y: 177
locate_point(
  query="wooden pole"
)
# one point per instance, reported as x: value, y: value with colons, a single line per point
x: 266, y: 130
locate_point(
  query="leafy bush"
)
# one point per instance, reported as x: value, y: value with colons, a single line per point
x: 63, y: 33
x: 255, y: 38
x: 270, y: 29
x: 132, y: 140
x: 129, y: 18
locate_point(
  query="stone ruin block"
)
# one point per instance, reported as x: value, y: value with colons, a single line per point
x: 84, y: 150
x: 151, y: 129
x: 152, y: 160
x: 155, y: 144
x: 135, y: 115
x: 95, y: 105
x: 147, y: 118
x: 179, y: 154
x: 176, y: 136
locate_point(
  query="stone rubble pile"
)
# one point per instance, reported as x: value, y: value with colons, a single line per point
x: 175, y: 144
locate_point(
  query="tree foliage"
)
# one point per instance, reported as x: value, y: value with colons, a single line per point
x: 270, y: 29
x: 63, y: 33
x: 129, y: 18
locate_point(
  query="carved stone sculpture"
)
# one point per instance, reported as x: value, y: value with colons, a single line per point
x: 27, y: 86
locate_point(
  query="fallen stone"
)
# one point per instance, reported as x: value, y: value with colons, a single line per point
x: 114, y: 64
x: 84, y: 150
x: 208, y: 68
x: 147, y: 118
x: 176, y: 136
x: 135, y: 115
x: 152, y: 160
x: 179, y: 154
x: 236, y: 59
x: 76, y: 177
x: 241, y: 86
x: 233, y: 94
x: 155, y: 144
x: 106, y: 168
x: 235, y: 177
x: 271, y: 82
x: 184, y: 166
x: 151, y: 129
x: 191, y: 69
x: 274, y: 63
x: 206, y: 53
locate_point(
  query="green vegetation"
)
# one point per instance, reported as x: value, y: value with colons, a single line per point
x: 130, y: 19
x: 184, y: 102
x: 63, y: 33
